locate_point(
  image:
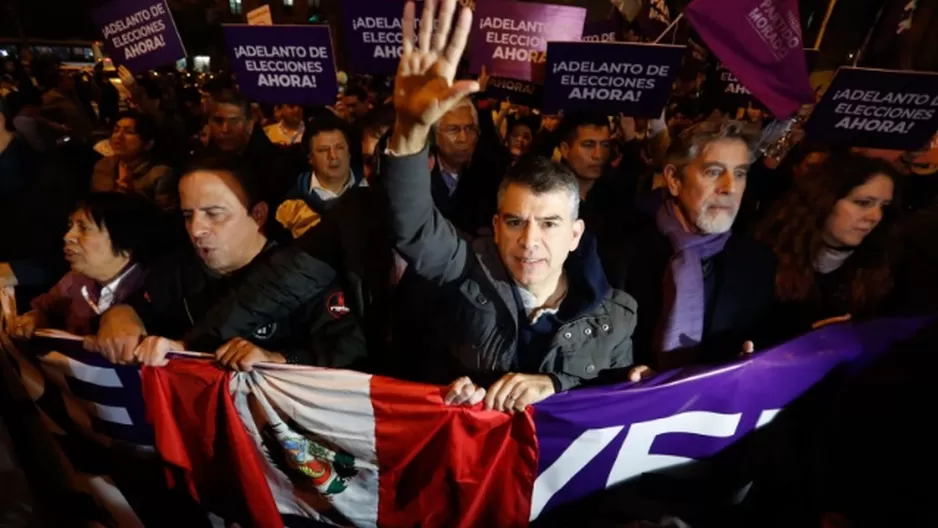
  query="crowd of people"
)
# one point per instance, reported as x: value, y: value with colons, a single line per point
x: 439, y: 235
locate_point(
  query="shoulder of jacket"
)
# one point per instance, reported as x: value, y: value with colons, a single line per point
x: 623, y: 300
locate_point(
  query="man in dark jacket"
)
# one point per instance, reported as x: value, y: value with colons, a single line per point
x: 702, y: 288
x: 521, y: 317
x: 225, y: 219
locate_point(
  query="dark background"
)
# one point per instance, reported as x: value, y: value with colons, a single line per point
x: 198, y: 22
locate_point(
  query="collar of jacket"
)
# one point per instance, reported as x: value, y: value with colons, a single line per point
x: 584, y: 271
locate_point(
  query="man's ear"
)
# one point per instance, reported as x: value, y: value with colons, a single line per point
x: 579, y: 227
x: 259, y: 213
x: 673, y: 178
x: 564, y: 149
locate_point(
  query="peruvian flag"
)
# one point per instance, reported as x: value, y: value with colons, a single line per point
x: 339, y: 447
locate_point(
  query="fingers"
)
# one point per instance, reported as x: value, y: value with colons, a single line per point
x: 409, y: 11
x: 444, y: 21
x: 152, y: 352
x: 640, y: 372
x: 239, y: 355
x: 457, y: 43
x: 426, y: 26
x: 460, y: 391
x: 748, y: 348
x: 499, y: 394
x: 460, y: 90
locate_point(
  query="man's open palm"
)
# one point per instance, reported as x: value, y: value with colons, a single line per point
x: 424, y: 89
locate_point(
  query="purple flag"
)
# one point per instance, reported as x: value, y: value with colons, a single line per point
x: 139, y: 34
x: 283, y: 64
x: 896, y: 110
x: 760, y: 41
x: 634, y: 79
x: 510, y: 38
x: 593, y: 439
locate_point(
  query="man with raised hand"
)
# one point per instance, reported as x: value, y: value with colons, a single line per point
x: 527, y: 313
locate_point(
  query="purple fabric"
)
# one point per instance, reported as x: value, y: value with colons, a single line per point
x: 592, y: 439
x: 760, y: 41
x: 681, y: 322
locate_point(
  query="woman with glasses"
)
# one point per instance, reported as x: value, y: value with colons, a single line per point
x: 132, y: 168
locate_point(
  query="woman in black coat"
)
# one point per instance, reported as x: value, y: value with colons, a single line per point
x: 830, y: 238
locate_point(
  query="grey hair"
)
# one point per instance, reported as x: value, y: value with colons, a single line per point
x: 691, y: 142
x: 463, y: 103
x: 543, y: 176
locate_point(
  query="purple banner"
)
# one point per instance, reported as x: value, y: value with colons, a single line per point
x: 283, y: 64
x: 896, y: 110
x: 593, y: 439
x: 139, y: 34
x: 510, y: 38
x: 603, y: 31
x: 634, y: 79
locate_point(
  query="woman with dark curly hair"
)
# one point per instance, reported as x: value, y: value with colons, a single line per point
x: 830, y: 237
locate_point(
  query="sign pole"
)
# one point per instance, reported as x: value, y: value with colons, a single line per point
x: 669, y: 28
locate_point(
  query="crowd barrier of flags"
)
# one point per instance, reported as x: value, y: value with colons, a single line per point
x: 284, y: 444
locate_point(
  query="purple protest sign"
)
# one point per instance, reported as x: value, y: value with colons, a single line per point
x: 602, y: 31
x: 373, y: 35
x: 592, y: 439
x: 519, y: 92
x: 634, y: 79
x: 139, y: 34
x: 373, y: 31
x: 283, y: 64
x: 896, y: 110
x: 510, y: 38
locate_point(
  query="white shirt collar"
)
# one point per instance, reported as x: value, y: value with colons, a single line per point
x: 316, y: 186
x: 108, y: 291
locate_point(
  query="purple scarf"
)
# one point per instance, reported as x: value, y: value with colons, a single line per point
x: 681, y: 322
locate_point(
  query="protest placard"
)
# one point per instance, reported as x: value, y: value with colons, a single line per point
x: 373, y: 31
x: 602, y: 31
x: 870, y: 108
x: 510, y: 38
x: 283, y: 64
x: 139, y: 34
x: 518, y: 92
x: 634, y: 79
x: 260, y: 16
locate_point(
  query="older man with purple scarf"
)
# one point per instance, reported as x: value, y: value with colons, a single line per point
x: 702, y: 288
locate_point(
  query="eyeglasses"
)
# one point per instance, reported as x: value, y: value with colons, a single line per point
x: 452, y: 131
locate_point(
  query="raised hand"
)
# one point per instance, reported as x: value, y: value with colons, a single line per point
x: 424, y: 88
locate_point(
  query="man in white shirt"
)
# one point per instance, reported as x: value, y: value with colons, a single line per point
x: 331, y: 175
x: 290, y: 129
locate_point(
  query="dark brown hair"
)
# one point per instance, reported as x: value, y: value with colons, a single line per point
x: 795, y: 227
